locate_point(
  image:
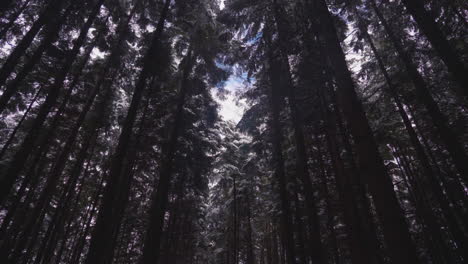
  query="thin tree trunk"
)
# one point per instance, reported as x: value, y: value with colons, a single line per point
x: 250, y: 246
x: 57, y: 169
x: 275, y: 249
x: 278, y: 160
x: 78, y: 248
x: 299, y: 227
x: 16, y: 165
x: 25, y: 147
x: 50, y: 235
x: 50, y: 12
x: 421, y: 155
x: 18, y: 125
x: 51, y: 35
x: 63, y: 213
x: 235, y: 226
x: 101, y: 109
x: 16, y: 217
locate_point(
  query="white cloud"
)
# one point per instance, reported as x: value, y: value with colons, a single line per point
x: 231, y: 107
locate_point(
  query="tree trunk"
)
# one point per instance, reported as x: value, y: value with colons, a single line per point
x: 235, y: 225
x: 359, y: 243
x: 439, y: 42
x: 396, y: 232
x: 50, y: 12
x: 152, y: 242
x: 100, y: 250
x: 63, y: 213
x: 317, y: 249
x: 20, y: 157
x: 79, y: 246
x: 362, y: 199
x: 18, y: 125
x: 420, y: 153
x: 449, y: 138
x: 57, y: 169
x: 276, y: 101
x: 250, y: 246
x: 52, y: 33
x: 433, y: 239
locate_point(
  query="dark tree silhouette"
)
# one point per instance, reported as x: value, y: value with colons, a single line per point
x: 228, y: 132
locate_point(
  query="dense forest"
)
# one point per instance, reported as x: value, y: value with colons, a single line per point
x: 352, y: 146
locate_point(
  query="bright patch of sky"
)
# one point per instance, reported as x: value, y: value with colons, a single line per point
x: 231, y: 107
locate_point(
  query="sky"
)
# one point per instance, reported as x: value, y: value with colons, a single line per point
x: 231, y: 108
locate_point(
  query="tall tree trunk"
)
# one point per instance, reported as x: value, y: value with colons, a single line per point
x: 360, y: 245
x: 159, y: 198
x: 302, y: 169
x: 299, y: 227
x: 235, y: 225
x: 20, y: 157
x: 360, y: 193
x: 33, y: 173
x: 18, y: 125
x: 45, y: 249
x: 395, y: 228
x: 249, y: 243
x: 100, y: 250
x: 439, y: 42
x: 56, y: 171
x: 63, y: 213
x: 66, y: 97
x: 81, y: 242
x: 420, y: 153
x: 106, y: 81
x: 51, y: 11
x: 431, y: 233
x: 51, y: 35
x: 90, y: 136
x: 16, y: 217
x: 449, y: 138
x: 276, y: 102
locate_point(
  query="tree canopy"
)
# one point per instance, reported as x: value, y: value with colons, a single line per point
x: 352, y: 145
